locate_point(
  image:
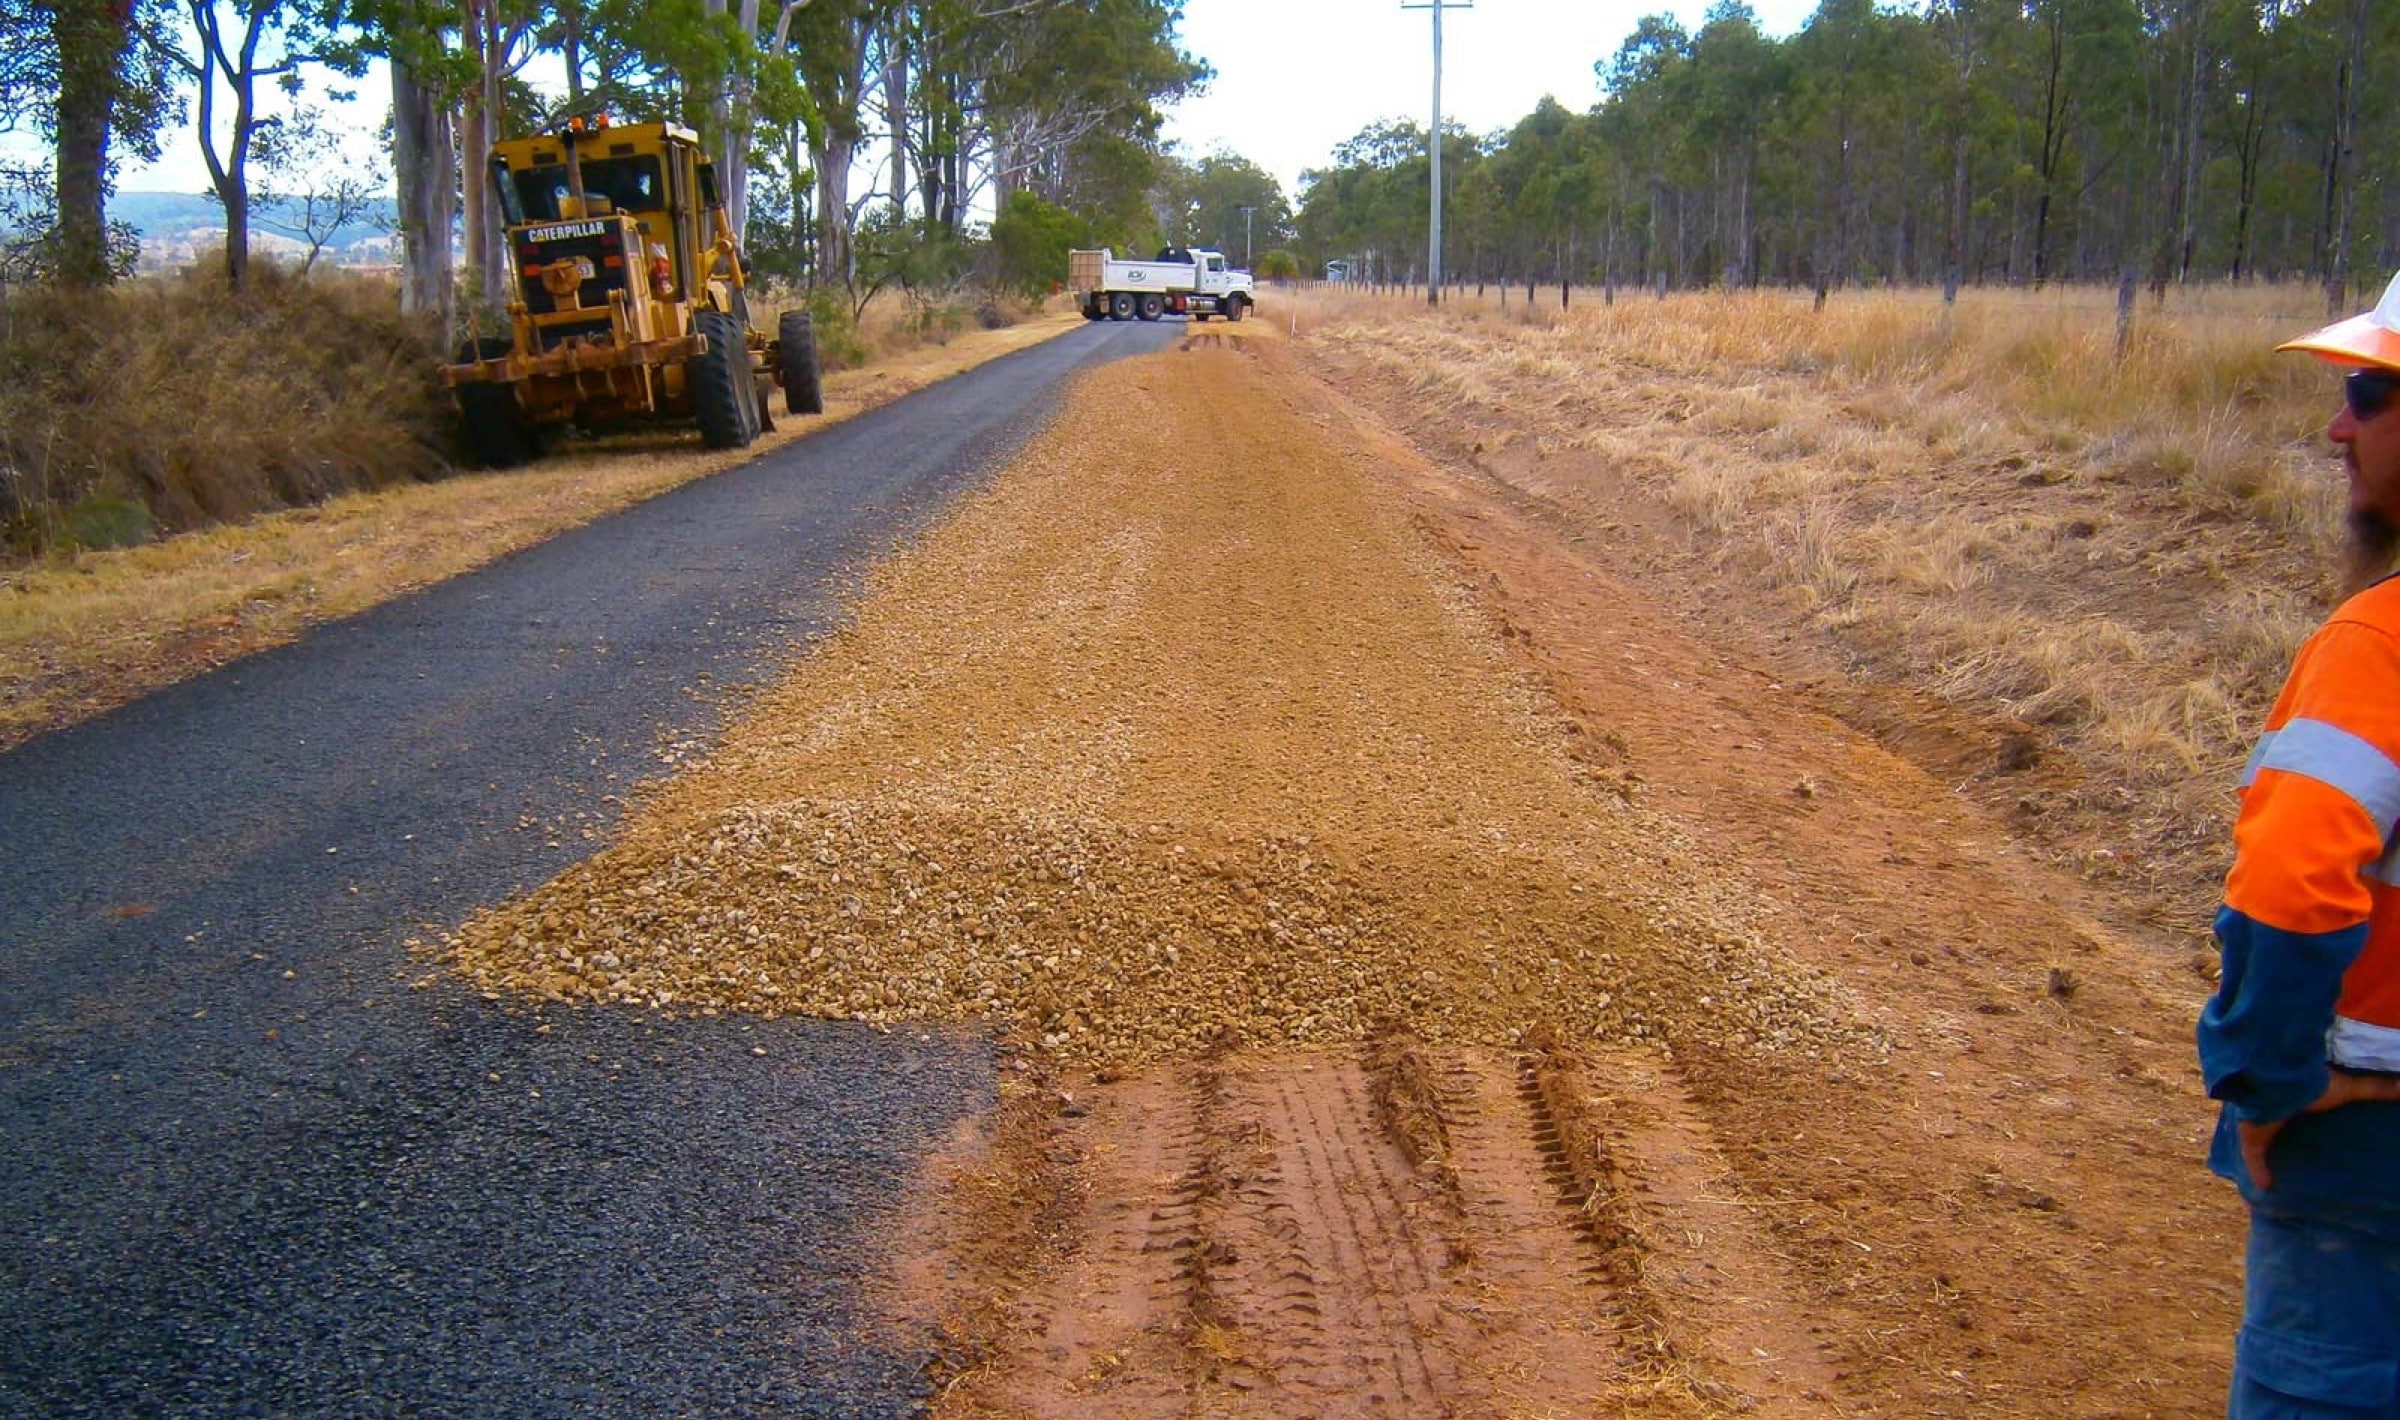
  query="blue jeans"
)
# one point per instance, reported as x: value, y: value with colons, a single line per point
x: 2320, y: 1333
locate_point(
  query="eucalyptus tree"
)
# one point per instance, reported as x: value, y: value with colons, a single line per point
x: 97, y: 79
x: 1635, y: 83
x: 1227, y: 202
x: 1734, y: 92
x: 237, y: 45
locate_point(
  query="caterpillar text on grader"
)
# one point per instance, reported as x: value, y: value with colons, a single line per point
x: 628, y: 305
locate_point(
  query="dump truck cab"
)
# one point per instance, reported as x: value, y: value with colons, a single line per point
x: 628, y: 302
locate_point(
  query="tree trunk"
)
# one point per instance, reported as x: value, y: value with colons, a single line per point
x: 1608, y: 261
x: 715, y: 92
x: 2254, y: 128
x: 803, y: 242
x: 1737, y: 268
x: 1654, y: 269
x: 895, y: 105
x: 2186, y: 237
x: 227, y: 173
x: 2054, y: 145
x: 1954, y: 242
x: 2341, y: 187
x: 835, y: 261
x: 423, y: 171
x: 91, y: 36
x: 2126, y: 286
x: 570, y: 21
x: 479, y: 127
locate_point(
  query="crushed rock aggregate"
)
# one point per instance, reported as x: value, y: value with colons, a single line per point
x: 1175, y: 733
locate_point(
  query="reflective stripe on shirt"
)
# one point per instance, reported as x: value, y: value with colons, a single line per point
x: 2356, y: 1045
x: 2332, y: 756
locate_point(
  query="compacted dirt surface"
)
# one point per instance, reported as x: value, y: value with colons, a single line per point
x: 1435, y: 978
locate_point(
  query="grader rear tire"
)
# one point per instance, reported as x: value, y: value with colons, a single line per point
x: 718, y: 384
x: 803, y: 379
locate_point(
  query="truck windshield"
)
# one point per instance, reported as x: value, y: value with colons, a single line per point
x: 630, y: 185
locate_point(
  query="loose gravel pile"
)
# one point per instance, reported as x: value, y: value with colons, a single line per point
x: 1174, y: 733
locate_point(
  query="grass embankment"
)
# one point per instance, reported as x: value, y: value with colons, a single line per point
x: 233, y: 431
x: 1990, y: 506
x: 170, y: 404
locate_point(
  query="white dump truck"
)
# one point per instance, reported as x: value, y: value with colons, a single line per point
x: 1196, y: 283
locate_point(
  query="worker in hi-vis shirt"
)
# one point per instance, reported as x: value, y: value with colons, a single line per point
x: 2301, y: 1042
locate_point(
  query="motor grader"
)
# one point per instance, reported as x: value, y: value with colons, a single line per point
x: 628, y: 305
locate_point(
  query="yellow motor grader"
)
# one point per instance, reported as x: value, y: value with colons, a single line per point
x: 628, y: 305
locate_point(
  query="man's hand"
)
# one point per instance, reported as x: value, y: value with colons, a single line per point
x: 2343, y: 1087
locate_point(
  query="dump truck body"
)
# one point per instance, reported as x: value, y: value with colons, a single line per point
x: 1198, y: 283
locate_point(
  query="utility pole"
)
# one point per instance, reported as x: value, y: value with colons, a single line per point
x: 1247, y: 209
x: 1433, y: 266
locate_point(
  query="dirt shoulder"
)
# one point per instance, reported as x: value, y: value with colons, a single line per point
x: 90, y: 632
x: 1447, y: 981
x: 2075, y: 608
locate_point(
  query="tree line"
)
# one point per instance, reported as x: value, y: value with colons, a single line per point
x: 1038, y: 107
x: 1951, y: 141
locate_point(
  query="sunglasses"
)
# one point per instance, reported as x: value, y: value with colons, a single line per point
x: 2370, y: 392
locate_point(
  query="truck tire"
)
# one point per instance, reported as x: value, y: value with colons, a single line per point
x: 1120, y: 305
x: 1153, y: 305
x: 1236, y: 308
x: 803, y: 379
x: 1093, y: 310
x: 718, y: 384
x: 492, y: 426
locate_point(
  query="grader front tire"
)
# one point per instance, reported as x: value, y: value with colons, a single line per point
x: 492, y: 427
x: 718, y: 383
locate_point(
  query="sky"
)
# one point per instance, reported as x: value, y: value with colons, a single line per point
x: 1294, y: 77
x: 1297, y: 77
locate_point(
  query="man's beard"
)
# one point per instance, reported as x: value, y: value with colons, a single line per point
x: 2370, y: 548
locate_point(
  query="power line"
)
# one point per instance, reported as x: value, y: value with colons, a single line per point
x: 1433, y: 264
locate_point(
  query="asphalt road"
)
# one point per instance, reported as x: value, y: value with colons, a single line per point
x: 256, y: 1159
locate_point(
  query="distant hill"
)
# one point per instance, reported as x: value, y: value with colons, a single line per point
x: 164, y: 218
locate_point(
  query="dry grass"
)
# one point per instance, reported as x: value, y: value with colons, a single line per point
x: 85, y: 630
x: 894, y: 323
x: 172, y: 403
x: 1985, y: 502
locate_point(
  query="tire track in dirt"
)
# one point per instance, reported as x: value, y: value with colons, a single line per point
x: 1256, y: 1244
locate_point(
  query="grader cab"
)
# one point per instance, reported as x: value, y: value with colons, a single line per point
x: 628, y: 305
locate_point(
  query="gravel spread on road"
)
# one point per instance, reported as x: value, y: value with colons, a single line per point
x: 1176, y: 733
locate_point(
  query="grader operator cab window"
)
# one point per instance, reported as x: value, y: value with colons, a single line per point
x: 626, y: 184
x: 512, y: 208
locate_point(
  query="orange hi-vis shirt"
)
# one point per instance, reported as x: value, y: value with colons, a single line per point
x: 2310, y: 929
x: 2314, y: 845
